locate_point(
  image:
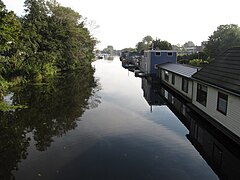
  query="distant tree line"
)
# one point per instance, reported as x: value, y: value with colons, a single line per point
x: 48, y: 38
x: 149, y: 43
x: 225, y: 37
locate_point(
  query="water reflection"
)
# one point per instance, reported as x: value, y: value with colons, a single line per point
x: 222, y: 154
x: 150, y: 93
x: 53, y: 109
x: 120, y: 139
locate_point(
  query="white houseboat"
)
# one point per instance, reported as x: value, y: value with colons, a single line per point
x: 216, y: 91
x: 213, y: 91
x: 178, y: 77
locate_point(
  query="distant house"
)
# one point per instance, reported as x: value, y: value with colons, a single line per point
x: 152, y: 58
x: 213, y: 91
x: 216, y: 90
x: 178, y: 77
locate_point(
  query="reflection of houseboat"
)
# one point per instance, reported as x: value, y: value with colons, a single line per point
x: 108, y: 57
x: 213, y: 91
x: 99, y: 56
x: 150, y: 93
x: 220, y: 152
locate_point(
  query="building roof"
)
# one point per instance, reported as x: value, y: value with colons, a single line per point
x: 181, y: 69
x: 224, y: 71
x: 154, y: 50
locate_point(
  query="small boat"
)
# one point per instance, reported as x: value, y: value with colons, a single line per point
x: 139, y: 73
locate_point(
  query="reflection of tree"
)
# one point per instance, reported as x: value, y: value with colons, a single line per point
x: 13, y: 144
x: 94, y: 99
x: 53, y: 109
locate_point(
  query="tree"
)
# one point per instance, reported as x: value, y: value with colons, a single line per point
x: 224, y: 37
x: 49, y: 37
x: 109, y: 50
x: 9, y: 29
x: 75, y: 43
x: 188, y: 44
x: 145, y: 44
x: 37, y: 38
x: 161, y: 45
x: 10, y: 44
x: 55, y: 37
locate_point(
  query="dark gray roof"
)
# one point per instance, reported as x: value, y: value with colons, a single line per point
x: 183, y: 70
x: 223, y: 72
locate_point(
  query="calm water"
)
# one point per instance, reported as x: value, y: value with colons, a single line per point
x: 108, y: 126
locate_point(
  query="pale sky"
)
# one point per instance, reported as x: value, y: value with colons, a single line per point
x: 124, y: 23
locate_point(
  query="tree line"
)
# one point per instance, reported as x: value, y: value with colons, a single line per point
x: 47, y: 39
x: 226, y: 36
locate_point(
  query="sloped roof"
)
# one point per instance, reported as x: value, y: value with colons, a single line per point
x: 183, y: 70
x: 224, y: 71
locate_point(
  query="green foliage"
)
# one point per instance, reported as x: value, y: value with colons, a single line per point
x: 145, y: 44
x: 161, y: 45
x: 225, y: 37
x: 184, y: 59
x: 108, y: 50
x: 3, y: 86
x: 128, y: 49
x: 75, y: 45
x: 188, y: 44
x: 47, y: 39
x: 6, y: 107
x: 198, y: 62
x: 148, y: 43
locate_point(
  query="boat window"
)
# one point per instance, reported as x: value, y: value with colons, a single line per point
x: 222, y: 103
x: 158, y: 53
x: 185, y: 85
x: 173, y: 79
x: 202, y: 94
x: 166, y: 76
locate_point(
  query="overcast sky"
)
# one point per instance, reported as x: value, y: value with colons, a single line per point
x: 124, y: 23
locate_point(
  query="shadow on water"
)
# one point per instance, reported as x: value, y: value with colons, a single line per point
x: 53, y: 109
x: 221, y: 153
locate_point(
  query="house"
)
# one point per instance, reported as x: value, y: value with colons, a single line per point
x: 152, y: 58
x: 212, y: 91
x: 219, y: 152
x: 178, y: 77
x: 216, y: 92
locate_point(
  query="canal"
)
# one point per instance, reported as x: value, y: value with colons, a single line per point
x: 107, y: 124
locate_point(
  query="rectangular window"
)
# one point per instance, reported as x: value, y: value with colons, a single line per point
x: 158, y: 53
x: 166, y: 76
x: 170, y: 54
x: 222, y: 102
x: 185, y: 85
x: 202, y: 94
x: 173, y: 79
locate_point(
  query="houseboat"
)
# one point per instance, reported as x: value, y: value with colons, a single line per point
x: 216, y: 92
x: 213, y: 91
x: 222, y: 155
x: 152, y: 58
x: 178, y: 77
